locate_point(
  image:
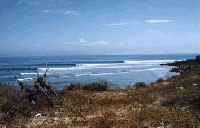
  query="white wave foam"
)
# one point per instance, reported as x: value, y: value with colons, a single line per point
x: 88, y: 74
x: 138, y: 70
x: 152, y: 69
x: 147, y: 61
x: 91, y: 74
x: 110, y: 73
x: 53, y: 69
x: 94, y: 74
x: 126, y: 64
x: 65, y: 76
x: 85, y: 74
x: 25, y: 79
x: 95, y: 65
x: 91, y: 66
x: 105, y: 73
x: 32, y: 73
x: 87, y: 66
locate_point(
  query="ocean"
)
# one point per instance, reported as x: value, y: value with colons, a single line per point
x: 118, y: 70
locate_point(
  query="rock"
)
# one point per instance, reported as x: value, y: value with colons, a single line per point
x: 184, y: 65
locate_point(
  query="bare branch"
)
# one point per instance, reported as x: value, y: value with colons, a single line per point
x: 47, y: 69
x: 15, y: 77
x: 35, y: 70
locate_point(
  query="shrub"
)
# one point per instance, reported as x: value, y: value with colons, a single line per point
x: 160, y: 80
x: 198, y: 59
x: 191, y: 101
x: 6, y: 90
x: 140, y: 84
x: 16, y: 105
x: 29, y: 100
x: 171, y: 101
x: 73, y: 86
x: 95, y: 86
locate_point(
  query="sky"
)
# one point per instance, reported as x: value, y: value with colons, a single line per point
x: 99, y: 27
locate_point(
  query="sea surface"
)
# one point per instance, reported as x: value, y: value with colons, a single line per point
x: 123, y: 70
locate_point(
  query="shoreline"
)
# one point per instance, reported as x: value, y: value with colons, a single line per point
x: 91, y: 69
x: 171, y: 102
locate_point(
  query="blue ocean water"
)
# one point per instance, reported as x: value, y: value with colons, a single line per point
x: 120, y: 70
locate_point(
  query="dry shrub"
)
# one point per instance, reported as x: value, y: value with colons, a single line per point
x: 6, y: 89
x: 29, y: 100
x: 140, y: 85
x: 159, y: 80
x: 95, y: 86
x: 24, y: 105
x: 198, y: 58
x: 16, y: 105
x: 73, y: 87
x: 192, y: 101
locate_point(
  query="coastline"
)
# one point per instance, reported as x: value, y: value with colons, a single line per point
x: 117, y: 70
x: 172, y: 102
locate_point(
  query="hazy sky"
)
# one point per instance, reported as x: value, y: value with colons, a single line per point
x: 65, y: 27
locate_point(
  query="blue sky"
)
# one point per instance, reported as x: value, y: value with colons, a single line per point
x: 68, y: 27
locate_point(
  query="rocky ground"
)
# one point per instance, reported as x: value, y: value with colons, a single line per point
x: 170, y: 103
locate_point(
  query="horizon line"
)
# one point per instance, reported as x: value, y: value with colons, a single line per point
x: 99, y: 55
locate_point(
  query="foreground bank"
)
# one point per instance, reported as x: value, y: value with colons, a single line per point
x: 174, y: 102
